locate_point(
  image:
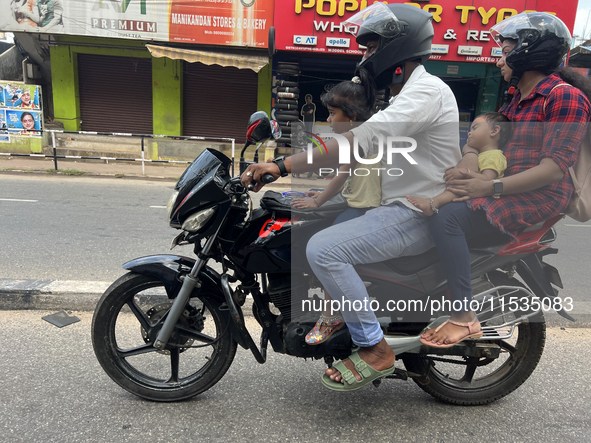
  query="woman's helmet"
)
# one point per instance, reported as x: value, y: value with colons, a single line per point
x: 404, y: 32
x: 542, y: 41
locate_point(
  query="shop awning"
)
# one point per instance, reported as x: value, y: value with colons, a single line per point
x: 254, y: 62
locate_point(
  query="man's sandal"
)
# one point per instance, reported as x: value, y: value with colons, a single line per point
x: 367, y: 373
x: 333, y: 324
x: 474, y: 331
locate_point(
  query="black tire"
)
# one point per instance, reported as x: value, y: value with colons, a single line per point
x: 290, y: 89
x: 447, y: 381
x: 289, y: 112
x: 287, y: 106
x: 286, y: 140
x: 285, y: 129
x: 282, y: 117
x: 128, y: 316
x: 287, y: 83
x: 288, y: 95
x: 288, y: 68
x: 286, y: 101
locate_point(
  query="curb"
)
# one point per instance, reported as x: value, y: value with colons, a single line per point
x: 68, y: 295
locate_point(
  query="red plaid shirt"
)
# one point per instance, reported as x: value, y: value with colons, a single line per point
x: 556, y: 134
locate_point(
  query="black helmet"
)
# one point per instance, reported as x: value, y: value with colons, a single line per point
x: 405, y: 34
x: 542, y: 41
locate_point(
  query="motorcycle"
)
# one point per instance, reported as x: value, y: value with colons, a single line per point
x: 169, y: 328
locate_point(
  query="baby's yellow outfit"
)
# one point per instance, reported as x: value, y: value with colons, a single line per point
x: 494, y: 160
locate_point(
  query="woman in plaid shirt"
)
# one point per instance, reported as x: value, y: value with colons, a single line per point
x: 550, y: 110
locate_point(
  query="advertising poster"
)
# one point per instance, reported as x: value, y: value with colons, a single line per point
x: 137, y: 19
x: 20, y: 110
x: 221, y: 22
x: 461, y: 27
x: 3, y: 121
x: 23, y: 122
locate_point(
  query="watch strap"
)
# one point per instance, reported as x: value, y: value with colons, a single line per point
x: 281, y: 165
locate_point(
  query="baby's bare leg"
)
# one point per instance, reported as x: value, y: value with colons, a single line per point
x: 424, y: 204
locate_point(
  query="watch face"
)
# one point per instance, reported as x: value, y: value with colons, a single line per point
x: 498, y: 188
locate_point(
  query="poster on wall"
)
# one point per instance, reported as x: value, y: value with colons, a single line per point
x: 3, y: 126
x: 461, y: 27
x: 20, y: 110
x: 215, y: 22
x: 23, y: 122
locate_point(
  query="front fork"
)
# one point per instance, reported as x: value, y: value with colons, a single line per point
x: 190, y: 282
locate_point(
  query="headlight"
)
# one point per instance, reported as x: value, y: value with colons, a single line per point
x: 170, y: 204
x: 196, y: 221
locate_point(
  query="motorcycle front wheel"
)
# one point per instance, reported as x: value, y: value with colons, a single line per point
x: 126, y: 321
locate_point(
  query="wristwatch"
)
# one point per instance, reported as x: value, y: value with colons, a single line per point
x: 497, y: 188
x: 281, y: 165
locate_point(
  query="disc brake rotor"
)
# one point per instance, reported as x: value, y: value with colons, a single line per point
x: 191, y: 318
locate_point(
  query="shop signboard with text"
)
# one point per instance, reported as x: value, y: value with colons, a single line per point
x: 214, y: 22
x: 221, y: 22
x: 461, y: 27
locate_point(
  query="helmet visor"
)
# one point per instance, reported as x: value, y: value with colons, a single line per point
x: 544, y: 23
x: 377, y: 19
x: 509, y: 28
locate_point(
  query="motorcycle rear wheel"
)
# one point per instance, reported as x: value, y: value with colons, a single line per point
x: 125, y: 322
x: 470, y: 382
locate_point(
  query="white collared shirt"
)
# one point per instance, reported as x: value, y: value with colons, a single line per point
x: 426, y: 111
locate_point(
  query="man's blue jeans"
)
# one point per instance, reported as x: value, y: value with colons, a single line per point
x: 380, y: 234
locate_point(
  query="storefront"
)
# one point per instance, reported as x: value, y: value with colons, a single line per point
x: 168, y: 68
x: 314, y: 42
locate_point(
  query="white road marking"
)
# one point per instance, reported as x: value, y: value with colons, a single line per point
x: 17, y: 200
x: 579, y: 226
x: 158, y: 207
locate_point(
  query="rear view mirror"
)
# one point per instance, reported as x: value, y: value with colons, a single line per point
x: 259, y: 127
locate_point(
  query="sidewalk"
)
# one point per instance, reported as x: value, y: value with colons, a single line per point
x: 102, y: 168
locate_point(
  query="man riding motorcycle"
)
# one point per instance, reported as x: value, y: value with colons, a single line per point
x: 398, y: 40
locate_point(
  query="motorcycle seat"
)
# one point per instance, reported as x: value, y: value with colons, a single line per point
x: 275, y: 202
x: 415, y: 263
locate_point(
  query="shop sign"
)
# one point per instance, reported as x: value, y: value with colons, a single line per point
x: 214, y: 22
x: 470, y: 50
x: 439, y: 49
x: 458, y: 24
x: 310, y: 40
x: 338, y: 42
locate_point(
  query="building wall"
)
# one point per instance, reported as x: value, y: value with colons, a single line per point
x: 167, y: 82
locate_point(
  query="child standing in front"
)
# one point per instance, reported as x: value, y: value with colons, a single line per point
x: 488, y: 134
x: 348, y: 102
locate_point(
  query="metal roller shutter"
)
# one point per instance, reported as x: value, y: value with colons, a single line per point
x: 115, y: 93
x: 218, y: 101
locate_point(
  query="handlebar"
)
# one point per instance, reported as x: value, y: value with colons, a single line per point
x: 266, y: 178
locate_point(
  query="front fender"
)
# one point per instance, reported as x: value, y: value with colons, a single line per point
x: 168, y: 269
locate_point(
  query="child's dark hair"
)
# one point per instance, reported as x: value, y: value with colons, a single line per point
x: 502, y: 122
x: 356, y: 100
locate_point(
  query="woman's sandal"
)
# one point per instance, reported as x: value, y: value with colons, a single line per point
x: 473, y: 332
x: 367, y: 373
x: 333, y: 324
